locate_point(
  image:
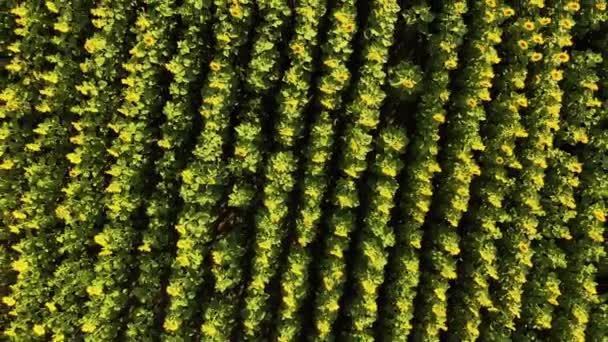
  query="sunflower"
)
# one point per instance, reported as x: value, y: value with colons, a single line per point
x: 522, y: 44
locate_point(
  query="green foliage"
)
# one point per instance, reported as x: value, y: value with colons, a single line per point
x: 405, y: 79
x: 362, y: 117
x: 333, y: 81
x: 203, y: 178
x: 279, y: 171
x: 324, y: 170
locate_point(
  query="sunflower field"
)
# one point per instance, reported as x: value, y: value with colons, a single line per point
x: 304, y: 170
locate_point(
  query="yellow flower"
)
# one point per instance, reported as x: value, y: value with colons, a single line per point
x: 145, y: 247
x: 298, y: 49
x: 149, y: 39
x: 556, y: 94
x: 183, y: 260
x: 43, y: 108
x: 20, y: 265
x: 523, y: 247
x: 62, y: 212
x: 528, y: 25
x: 368, y: 286
x: 94, y: 44
x: 164, y: 143
x: 341, y: 17
x: 215, y: 66
x: 566, y: 23
x: 180, y: 227
x: 477, y: 145
x: 342, y: 76
x: 521, y: 133
x: 337, y: 252
x: 187, y: 176
x: 374, y: 55
x: 9, y: 301
x: 88, y: 327
x: 445, y: 46
x: 545, y: 21
x: 485, y: 83
x: 536, y: 56
x: 581, y: 136
x: 99, y: 23
x: 493, y: 37
x: 235, y: 10
x: 51, y: 6
x: 565, y: 41
x: 130, y: 81
x: 601, y: 5
x: 522, y: 101
x: 460, y: 7
x: 562, y: 57
x: 594, y: 102
x: 142, y: 23
x: 439, y: 117
x: 58, y: 338
x: 38, y: 329
x: 557, y: 75
x: 488, y: 17
x: 491, y: 3
x: 173, y: 290
x: 62, y: 27
x: 77, y: 139
x: 94, y: 291
x: 508, y: 12
x: 171, y: 325
x: 209, y: 330
x: 348, y: 27
x: 323, y: 328
x: 451, y: 64
x: 538, y: 38
x: 408, y: 84
x: 576, y: 167
x: 130, y: 67
x: 19, y: 215
x: 185, y: 244
x: 580, y: 315
x: 74, y: 158
x: 589, y: 85
x: 33, y: 147
x: 114, y: 188
x: 522, y: 44
x: 224, y: 38
x: 19, y: 11
x: 573, y: 6
x: 537, y: 3
x: 484, y: 95
x: 132, y: 96
x: 492, y: 58
x: 331, y: 63
x: 599, y: 215
x: 51, y: 306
